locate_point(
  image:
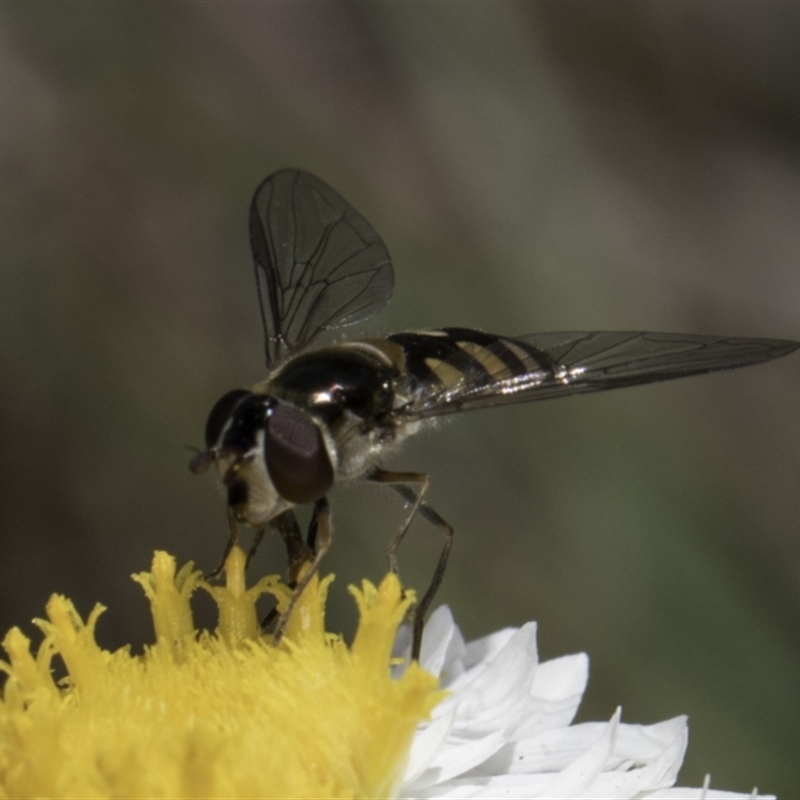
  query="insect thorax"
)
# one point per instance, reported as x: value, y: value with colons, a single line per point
x: 349, y: 389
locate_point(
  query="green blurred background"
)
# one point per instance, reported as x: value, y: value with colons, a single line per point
x: 531, y: 167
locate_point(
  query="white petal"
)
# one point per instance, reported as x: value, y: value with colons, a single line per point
x: 685, y: 793
x: 498, y: 786
x: 576, y: 778
x: 488, y: 704
x: 505, y: 730
x: 429, y: 741
x: 642, y: 776
x: 557, y: 690
x: 494, y: 696
x: 553, y: 751
x: 455, y: 758
x: 443, y: 647
x: 488, y: 647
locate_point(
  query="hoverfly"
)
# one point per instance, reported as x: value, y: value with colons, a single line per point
x: 330, y: 414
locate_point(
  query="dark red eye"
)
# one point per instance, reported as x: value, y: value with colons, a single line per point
x: 220, y: 414
x: 296, y: 456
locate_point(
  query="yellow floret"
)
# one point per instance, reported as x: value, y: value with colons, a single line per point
x: 226, y: 714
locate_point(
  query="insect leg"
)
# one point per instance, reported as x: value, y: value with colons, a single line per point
x: 297, y: 552
x: 399, y: 481
x: 233, y: 538
x: 322, y: 514
x: 313, y: 529
x: 254, y: 547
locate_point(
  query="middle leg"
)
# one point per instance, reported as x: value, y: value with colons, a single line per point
x: 401, y: 482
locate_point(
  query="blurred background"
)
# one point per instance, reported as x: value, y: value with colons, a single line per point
x: 531, y: 167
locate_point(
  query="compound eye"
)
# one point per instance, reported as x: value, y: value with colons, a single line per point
x: 220, y: 414
x: 296, y: 457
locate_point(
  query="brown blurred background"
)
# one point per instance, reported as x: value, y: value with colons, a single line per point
x: 531, y: 167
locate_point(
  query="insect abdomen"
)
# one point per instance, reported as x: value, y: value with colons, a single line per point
x: 445, y: 356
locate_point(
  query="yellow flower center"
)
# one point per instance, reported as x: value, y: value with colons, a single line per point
x: 213, y: 715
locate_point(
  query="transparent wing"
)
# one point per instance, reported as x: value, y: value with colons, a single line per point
x: 319, y: 264
x: 458, y: 369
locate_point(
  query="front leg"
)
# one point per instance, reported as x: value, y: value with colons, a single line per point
x: 233, y: 538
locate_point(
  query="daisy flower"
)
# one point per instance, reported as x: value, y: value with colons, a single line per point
x: 504, y: 730
x: 229, y: 714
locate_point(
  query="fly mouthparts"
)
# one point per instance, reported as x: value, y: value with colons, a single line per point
x: 202, y: 460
